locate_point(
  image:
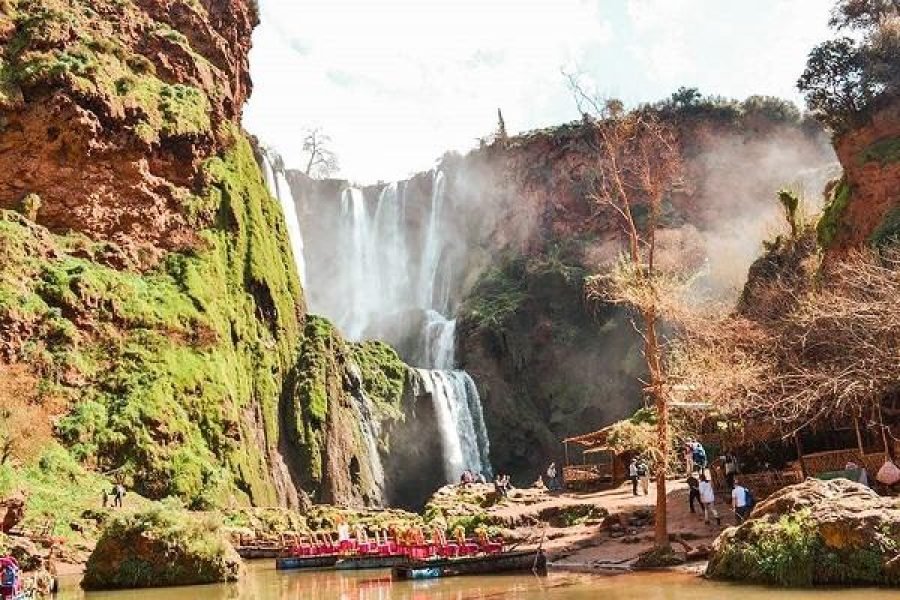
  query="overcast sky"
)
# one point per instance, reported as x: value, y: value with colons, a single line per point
x: 395, y: 83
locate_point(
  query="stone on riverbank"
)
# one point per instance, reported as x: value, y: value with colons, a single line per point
x: 161, y: 547
x: 814, y: 533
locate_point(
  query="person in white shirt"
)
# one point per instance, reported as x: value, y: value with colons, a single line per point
x: 633, y: 475
x: 739, y: 502
x: 708, y: 501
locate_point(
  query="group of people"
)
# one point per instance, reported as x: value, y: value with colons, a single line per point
x: 502, y: 485
x: 469, y: 477
x: 639, y: 471
x: 117, y: 495
x: 701, y: 491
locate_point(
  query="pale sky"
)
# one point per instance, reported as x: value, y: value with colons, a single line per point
x: 395, y: 83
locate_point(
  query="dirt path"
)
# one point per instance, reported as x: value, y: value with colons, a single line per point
x: 610, y: 542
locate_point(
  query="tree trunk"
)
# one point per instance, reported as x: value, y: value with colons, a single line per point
x: 652, y: 352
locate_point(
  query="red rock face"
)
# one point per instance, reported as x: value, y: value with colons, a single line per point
x: 874, y: 183
x: 111, y: 107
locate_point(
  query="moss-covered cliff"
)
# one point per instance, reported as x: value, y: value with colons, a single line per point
x: 147, y: 287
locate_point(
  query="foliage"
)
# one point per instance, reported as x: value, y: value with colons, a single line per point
x: 888, y: 232
x: 830, y: 221
x: 844, y: 78
x: 884, y: 151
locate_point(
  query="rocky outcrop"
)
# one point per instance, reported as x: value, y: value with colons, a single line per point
x: 161, y: 548
x: 814, y: 533
x: 864, y: 208
x: 146, y: 276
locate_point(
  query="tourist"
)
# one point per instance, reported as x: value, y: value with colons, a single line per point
x: 708, y: 500
x: 644, y: 473
x: 693, y: 492
x: 552, y: 483
x: 118, y: 494
x: 731, y: 469
x: 633, y: 475
x: 741, y: 502
x: 698, y: 454
x: 689, y: 456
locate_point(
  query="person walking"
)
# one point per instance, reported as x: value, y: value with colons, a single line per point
x: 689, y: 456
x: 699, y: 457
x: 693, y: 493
x: 741, y: 502
x: 552, y: 483
x: 633, y: 475
x: 118, y: 494
x: 731, y: 469
x: 644, y: 474
x: 708, y: 500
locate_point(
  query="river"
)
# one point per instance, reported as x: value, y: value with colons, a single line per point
x: 263, y: 582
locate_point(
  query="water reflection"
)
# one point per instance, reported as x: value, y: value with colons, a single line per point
x: 264, y: 583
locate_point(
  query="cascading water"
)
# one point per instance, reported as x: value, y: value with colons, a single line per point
x: 278, y: 186
x: 392, y: 280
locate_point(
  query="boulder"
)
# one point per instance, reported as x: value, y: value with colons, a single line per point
x: 161, y: 547
x: 814, y: 533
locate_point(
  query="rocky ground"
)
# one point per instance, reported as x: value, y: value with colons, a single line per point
x: 582, y: 531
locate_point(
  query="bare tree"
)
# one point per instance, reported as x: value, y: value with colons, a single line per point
x: 638, y: 164
x: 832, y: 352
x: 322, y: 160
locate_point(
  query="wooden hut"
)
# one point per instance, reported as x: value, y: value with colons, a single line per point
x: 591, y: 464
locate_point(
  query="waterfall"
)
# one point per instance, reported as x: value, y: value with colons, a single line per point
x: 457, y: 408
x: 393, y: 280
x: 278, y: 186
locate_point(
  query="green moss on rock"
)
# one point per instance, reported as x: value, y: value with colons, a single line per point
x: 163, y: 366
x: 888, y: 232
x: 814, y: 533
x: 830, y: 221
x: 883, y: 151
x: 161, y: 547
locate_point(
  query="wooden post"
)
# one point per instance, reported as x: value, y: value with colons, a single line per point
x: 566, y: 446
x: 800, y: 455
x: 859, y: 441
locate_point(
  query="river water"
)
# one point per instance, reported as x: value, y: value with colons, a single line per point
x: 263, y: 582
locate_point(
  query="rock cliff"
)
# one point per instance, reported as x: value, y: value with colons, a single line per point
x: 147, y: 288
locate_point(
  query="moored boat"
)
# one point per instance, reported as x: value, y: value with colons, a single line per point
x: 370, y: 562
x: 323, y: 561
x: 505, y: 562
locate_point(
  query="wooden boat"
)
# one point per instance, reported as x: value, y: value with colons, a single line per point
x: 322, y: 561
x: 505, y: 562
x: 251, y: 552
x: 360, y: 562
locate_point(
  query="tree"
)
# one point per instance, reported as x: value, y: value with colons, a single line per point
x: 501, y: 136
x: 322, y: 160
x: 844, y: 78
x: 638, y: 164
x: 835, y: 84
x: 863, y: 14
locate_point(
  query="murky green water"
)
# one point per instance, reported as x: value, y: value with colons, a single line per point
x: 264, y: 583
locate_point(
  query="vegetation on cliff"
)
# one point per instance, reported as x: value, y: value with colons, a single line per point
x: 161, y: 547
